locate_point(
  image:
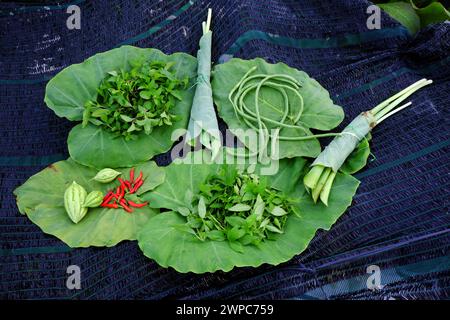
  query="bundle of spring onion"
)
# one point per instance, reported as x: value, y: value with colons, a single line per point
x: 203, y: 122
x: 319, y: 180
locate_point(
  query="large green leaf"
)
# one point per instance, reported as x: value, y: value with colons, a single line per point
x: 165, y: 239
x: 424, y: 12
x: 358, y: 158
x: 404, y: 13
x: 319, y: 110
x: 41, y: 198
x: 71, y: 88
x: 433, y: 13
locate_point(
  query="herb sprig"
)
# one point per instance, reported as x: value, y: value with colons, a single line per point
x: 236, y: 207
x: 128, y: 102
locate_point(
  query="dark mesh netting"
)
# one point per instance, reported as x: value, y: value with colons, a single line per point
x: 399, y: 220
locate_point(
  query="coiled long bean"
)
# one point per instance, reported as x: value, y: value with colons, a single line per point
x: 256, y: 121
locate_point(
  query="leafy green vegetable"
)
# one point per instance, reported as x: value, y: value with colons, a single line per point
x: 69, y: 91
x: 131, y: 101
x: 167, y: 239
x: 238, y: 207
x: 317, y: 110
x: 203, y: 122
x: 41, y: 198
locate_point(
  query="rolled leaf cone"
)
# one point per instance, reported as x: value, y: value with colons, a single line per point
x: 203, y: 116
x: 319, y: 180
x: 335, y: 154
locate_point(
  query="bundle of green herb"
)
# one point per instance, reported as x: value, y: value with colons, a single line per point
x: 239, y: 208
x: 203, y: 122
x: 319, y: 179
x: 131, y: 101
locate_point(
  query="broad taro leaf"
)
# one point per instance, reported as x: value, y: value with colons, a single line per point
x: 71, y: 88
x: 41, y: 198
x: 319, y: 111
x: 165, y: 238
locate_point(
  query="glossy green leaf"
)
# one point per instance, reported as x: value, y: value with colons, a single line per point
x: 71, y: 88
x: 435, y: 12
x: 41, y: 198
x: 404, y: 13
x: 319, y: 110
x: 357, y: 159
x: 201, y: 208
x: 163, y: 240
x: 278, y: 211
x: 428, y: 12
x: 240, y: 207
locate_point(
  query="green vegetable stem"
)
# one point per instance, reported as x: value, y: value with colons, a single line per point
x: 203, y: 122
x: 320, y: 177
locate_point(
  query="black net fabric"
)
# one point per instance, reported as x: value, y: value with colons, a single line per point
x: 399, y: 219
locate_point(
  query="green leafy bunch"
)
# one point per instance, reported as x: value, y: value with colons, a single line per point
x: 128, y: 102
x: 238, y: 208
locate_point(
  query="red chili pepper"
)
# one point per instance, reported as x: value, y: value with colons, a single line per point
x: 118, y: 191
x: 132, y: 175
x: 139, y: 177
x: 137, y: 186
x: 134, y: 188
x: 108, y: 194
x: 122, y: 192
x: 122, y: 183
x: 137, y: 205
x: 108, y: 197
x: 128, y: 184
x: 110, y: 205
x: 123, y: 203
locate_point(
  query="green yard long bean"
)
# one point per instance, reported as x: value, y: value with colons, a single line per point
x: 256, y: 121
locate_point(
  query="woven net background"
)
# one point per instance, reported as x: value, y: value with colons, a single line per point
x: 400, y: 216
